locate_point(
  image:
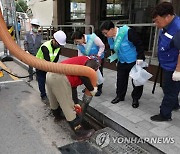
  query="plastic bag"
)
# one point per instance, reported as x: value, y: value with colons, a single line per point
x: 100, y: 77
x: 139, y: 75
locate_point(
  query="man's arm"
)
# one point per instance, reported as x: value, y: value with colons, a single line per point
x: 176, y: 39
x: 100, y: 44
x: 86, y: 81
x: 74, y: 95
x: 178, y: 64
x: 45, y: 53
x: 176, y: 74
x: 176, y: 44
x: 134, y: 38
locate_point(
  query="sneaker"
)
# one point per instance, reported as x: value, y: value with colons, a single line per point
x: 58, y: 115
x: 45, y: 100
x: 159, y: 118
x: 58, y: 119
x: 98, y: 93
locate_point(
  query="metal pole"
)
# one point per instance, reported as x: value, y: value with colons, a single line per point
x: 155, y: 41
x: 15, y: 22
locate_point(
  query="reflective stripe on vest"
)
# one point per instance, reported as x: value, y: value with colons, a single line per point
x: 117, y: 43
x: 90, y: 43
x: 168, y: 35
x: 92, y: 47
x: 127, y: 51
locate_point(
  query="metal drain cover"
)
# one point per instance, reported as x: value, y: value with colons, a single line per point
x: 80, y: 148
x: 104, y: 141
x: 112, y: 142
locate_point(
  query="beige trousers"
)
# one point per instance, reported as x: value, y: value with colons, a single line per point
x: 60, y: 94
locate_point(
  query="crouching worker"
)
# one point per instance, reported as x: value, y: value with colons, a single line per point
x: 59, y: 88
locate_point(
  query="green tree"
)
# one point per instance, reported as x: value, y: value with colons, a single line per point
x: 21, y: 6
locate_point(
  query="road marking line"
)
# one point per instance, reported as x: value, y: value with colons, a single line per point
x: 3, y: 82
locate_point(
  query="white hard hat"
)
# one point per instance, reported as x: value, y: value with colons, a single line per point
x: 60, y: 37
x: 35, y: 22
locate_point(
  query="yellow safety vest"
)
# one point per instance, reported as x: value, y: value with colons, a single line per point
x: 52, y: 55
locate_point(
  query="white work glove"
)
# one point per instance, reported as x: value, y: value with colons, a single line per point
x: 94, y: 91
x: 176, y: 76
x: 139, y: 62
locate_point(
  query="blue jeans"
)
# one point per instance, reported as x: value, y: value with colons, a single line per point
x: 41, y: 78
x: 171, y: 91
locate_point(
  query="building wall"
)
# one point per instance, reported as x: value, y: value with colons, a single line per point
x: 42, y: 10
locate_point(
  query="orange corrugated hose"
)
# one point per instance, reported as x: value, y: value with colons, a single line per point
x: 67, y: 69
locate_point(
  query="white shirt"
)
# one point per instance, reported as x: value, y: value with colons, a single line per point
x: 98, y: 42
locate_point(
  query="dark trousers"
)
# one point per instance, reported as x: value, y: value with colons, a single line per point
x: 30, y: 70
x: 123, y: 70
x: 171, y: 91
x: 101, y: 70
x: 41, y: 78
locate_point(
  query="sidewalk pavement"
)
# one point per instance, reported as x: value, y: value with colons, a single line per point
x: 137, y: 121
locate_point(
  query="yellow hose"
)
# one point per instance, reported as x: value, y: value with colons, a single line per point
x: 67, y: 69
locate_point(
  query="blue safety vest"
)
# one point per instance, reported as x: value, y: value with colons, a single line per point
x: 167, y: 54
x: 92, y: 48
x: 127, y: 51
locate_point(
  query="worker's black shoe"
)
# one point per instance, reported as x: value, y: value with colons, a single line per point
x: 80, y: 132
x: 30, y: 79
x: 58, y: 115
x: 159, y: 118
x: 135, y: 103
x: 98, y: 93
x: 117, y: 100
x: 45, y: 100
x: 176, y: 108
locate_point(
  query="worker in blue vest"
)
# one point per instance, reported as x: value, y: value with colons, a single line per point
x: 49, y: 51
x: 32, y: 42
x: 168, y: 52
x: 129, y: 51
x: 91, y: 45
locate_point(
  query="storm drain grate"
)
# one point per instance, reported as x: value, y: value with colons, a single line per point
x: 83, y: 147
x: 104, y: 141
x: 112, y: 142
